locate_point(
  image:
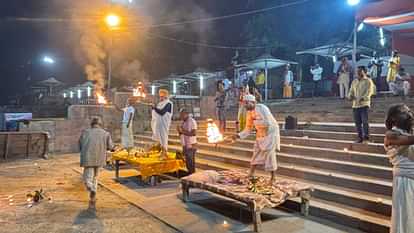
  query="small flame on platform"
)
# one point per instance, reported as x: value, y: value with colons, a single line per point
x: 139, y: 91
x: 101, y: 99
x: 213, y: 132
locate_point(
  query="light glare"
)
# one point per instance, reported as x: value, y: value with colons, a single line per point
x: 360, y: 27
x: 353, y: 2
x: 112, y: 20
x: 49, y: 60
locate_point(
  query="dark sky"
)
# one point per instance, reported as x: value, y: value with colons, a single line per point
x: 24, y: 43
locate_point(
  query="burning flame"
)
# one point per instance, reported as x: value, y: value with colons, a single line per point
x: 138, y: 93
x: 101, y: 99
x: 213, y: 132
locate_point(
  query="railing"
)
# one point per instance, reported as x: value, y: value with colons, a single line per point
x: 23, y: 144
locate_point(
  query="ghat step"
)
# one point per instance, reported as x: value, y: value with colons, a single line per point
x: 362, y: 210
x: 241, y: 157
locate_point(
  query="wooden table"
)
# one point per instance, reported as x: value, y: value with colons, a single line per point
x: 153, y: 176
x: 305, y: 196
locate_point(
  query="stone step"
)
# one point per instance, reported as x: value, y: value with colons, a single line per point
x: 349, y: 127
x: 369, y: 211
x: 310, y: 142
x: 348, y: 155
x: 337, y: 165
x: 339, y: 127
x: 346, y: 136
x: 349, y: 180
x: 343, y: 136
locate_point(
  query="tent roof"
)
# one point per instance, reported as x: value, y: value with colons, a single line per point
x: 49, y: 82
x: 392, y: 15
x: 384, y: 8
x: 266, y: 61
x: 338, y: 49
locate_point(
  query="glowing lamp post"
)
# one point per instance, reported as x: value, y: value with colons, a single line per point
x: 153, y: 90
x: 174, y: 87
x: 355, y: 3
x: 112, y: 22
x: 201, y: 85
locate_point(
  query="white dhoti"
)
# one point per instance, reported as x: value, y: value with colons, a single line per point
x: 127, y: 135
x: 264, y: 152
x: 402, y: 205
x: 267, y: 137
x: 90, y: 177
x: 160, y: 125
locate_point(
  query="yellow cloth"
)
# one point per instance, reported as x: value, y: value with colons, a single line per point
x: 360, y: 92
x: 287, y: 91
x: 242, y: 117
x: 150, y: 164
x: 393, y: 67
x: 260, y: 79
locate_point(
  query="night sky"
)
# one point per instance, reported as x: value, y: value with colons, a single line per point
x: 24, y: 43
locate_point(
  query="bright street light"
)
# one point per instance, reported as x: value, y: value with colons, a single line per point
x: 360, y: 27
x: 353, y: 2
x: 48, y: 60
x: 112, y: 20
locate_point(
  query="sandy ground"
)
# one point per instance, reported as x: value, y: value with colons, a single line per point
x: 66, y: 211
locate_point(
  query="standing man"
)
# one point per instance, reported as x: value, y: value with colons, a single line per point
x: 260, y: 82
x: 316, y: 71
x: 93, y: 144
x: 393, y: 67
x: 344, y: 75
x: 288, y: 81
x: 252, y: 85
x: 375, y: 70
x: 267, y: 136
x: 360, y: 94
x: 127, y: 138
x: 161, y: 121
x: 221, y: 106
x: 188, y: 135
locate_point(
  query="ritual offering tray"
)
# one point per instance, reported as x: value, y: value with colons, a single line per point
x: 148, y: 161
x: 256, y: 192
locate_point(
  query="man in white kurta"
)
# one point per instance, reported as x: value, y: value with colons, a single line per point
x: 267, y: 136
x: 161, y: 120
x: 127, y: 134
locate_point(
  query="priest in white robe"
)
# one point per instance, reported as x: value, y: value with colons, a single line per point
x: 161, y: 120
x: 267, y: 136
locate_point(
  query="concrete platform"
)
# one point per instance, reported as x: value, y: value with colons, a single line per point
x: 207, y: 212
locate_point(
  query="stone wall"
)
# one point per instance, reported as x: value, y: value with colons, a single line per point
x: 64, y: 133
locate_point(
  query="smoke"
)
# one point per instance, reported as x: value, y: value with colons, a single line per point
x: 92, y: 48
x: 161, y: 11
x: 132, y: 72
x: 91, y: 41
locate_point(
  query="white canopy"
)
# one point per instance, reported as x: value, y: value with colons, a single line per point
x: 267, y: 61
x: 338, y: 50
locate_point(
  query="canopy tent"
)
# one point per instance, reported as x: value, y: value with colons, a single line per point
x: 335, y: 50
x: 47, y: 85
x: 396, y: 16
x: 199, y: 75
x: 50, y: 82
x: 266, y: 62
